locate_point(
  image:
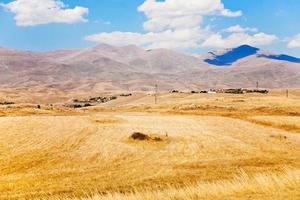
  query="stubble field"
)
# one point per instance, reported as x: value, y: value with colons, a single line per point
x: 211, y: 146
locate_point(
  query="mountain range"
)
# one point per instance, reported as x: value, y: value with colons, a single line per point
x: 130, y: 68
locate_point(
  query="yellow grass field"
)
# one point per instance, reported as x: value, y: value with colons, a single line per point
x: 212, y: 146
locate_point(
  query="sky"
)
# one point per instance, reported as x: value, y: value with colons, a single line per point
x: 193, y: 26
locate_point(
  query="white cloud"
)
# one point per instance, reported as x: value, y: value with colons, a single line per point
x: 173, y: 39
x: 239, y: 29
x: 235, y: 39
x: 178, y: 24
x: 176, y: 14
x: 172, y: 24
x: 36, y: 12
x: 118, y: 38
x: 294, y: 42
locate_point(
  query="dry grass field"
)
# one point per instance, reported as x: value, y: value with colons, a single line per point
x: 211, y: 146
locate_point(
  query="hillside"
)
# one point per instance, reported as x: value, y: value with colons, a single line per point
x: 106, y: 68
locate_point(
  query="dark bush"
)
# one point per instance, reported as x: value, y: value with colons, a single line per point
x: 113, y: 98
x: 234, y: 91
x: 125, y: 95
x: 174, y: 91
x: 76, y: 106
x: 139, y: 136
x: 7, y: 103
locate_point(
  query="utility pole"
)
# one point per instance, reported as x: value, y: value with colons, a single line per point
x: 156, y: 93
x: 257, y: 85
x: 287, y: 93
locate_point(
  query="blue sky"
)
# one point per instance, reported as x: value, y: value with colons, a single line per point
x: 275, y: 23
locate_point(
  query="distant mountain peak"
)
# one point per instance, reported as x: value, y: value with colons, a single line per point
x: 246, y: 46
x: 228, y: 56
x: 232, y: 55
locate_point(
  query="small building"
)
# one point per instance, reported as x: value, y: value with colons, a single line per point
x: 211, y: 92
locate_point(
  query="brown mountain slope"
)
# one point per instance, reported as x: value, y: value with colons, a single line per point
x: 110, y: 68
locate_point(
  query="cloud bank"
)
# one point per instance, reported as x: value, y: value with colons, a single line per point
x: 37, y: 12
x: 218, y: 41
x: 178, y: 24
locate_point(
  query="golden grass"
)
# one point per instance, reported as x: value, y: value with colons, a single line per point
x: 283, y: 185
x: 282, y: 122
x: 58, y: 153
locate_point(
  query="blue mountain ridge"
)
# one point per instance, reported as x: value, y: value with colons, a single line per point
x: 244, y: 51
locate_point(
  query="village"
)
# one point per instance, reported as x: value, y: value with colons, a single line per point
x: 87, y: 102
x: 228, y: 91
x: 92, y: 101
